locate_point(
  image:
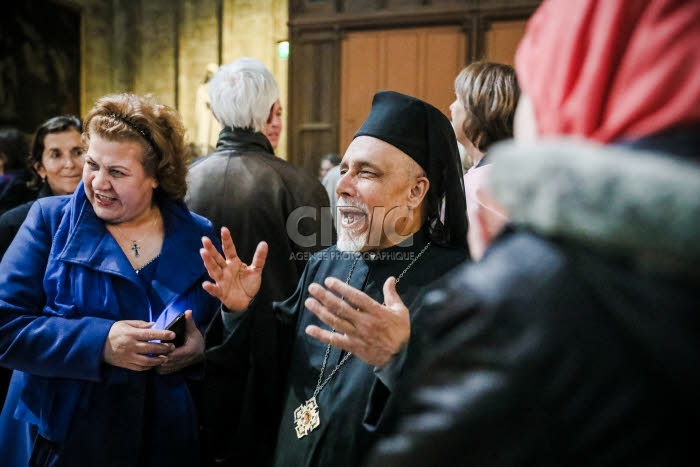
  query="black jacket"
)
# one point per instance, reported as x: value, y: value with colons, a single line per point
x: 258, y: 196
x: 14, y: 190
x: 575, y: 340
x: 10, y: 221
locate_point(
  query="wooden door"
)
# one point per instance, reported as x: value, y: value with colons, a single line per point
x: 501, y: 40
x: 421, y: 62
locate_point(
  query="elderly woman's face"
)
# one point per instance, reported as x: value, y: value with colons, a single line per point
x: 459, y: 115
x: 62, y: 161
x: 115, y: 181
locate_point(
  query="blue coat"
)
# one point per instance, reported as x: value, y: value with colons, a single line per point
x: 64, y: 283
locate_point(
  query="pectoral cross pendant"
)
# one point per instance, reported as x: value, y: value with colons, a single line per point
x: 306, y: 418
x: 136, y: 248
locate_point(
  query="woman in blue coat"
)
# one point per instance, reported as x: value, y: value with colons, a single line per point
x: 89, y: 285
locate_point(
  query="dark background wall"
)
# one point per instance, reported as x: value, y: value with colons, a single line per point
x: 39, y: 63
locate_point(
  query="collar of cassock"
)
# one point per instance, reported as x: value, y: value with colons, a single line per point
x: 405, y: 250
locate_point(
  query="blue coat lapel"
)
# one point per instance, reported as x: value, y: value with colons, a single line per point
x: 90, y: 244
x: 179, y: 266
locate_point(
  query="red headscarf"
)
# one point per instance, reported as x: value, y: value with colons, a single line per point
x: 610, y: 70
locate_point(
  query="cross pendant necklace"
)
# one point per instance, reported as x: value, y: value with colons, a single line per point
x: 307, y: 417
x: 135, y: 247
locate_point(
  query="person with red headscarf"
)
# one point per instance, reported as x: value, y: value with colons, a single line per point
x: 574, y: 341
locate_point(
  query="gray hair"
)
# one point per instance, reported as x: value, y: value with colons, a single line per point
x: 242, y: 94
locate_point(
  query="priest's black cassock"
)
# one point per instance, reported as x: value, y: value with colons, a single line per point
x: 351, y: 404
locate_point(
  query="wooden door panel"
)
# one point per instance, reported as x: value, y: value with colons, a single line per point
x: 422, y: 62
x: 446, y: 58
x: 402, y: 54
x: 502, y: 39
x: 360, y: 79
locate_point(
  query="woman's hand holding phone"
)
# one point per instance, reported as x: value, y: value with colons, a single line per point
x: 135, y: 345
x: 190, y: 352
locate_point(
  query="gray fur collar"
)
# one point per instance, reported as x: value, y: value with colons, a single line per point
x: 641, y: 204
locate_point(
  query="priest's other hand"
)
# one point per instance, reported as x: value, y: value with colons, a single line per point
x: 235, y: 283
x: 373, y: 332
x: 191, y: 352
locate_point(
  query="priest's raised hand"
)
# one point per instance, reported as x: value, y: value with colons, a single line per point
x: 372, y: 331
x: 235, y: 283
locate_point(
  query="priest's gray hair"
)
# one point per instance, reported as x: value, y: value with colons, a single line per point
x: 242, y: 94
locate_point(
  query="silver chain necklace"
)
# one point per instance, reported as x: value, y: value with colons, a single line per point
x: 307, y: 415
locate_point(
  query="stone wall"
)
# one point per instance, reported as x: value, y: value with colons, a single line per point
x: 253, y: 28
x: 163, y: 47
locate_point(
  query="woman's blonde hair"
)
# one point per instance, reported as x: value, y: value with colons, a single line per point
x: 489, y: 93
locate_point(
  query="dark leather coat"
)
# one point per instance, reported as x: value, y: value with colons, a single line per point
x: 574, y: 342
x: 243, y: 186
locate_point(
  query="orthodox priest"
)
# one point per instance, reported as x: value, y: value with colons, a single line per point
x: 401, y: 224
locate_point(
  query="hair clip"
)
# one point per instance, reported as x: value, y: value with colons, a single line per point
x: 143, y: 131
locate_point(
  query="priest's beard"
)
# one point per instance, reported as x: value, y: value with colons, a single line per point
x: 349, y: 240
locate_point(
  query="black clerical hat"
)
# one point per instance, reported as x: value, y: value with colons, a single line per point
x: 426, y: 135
